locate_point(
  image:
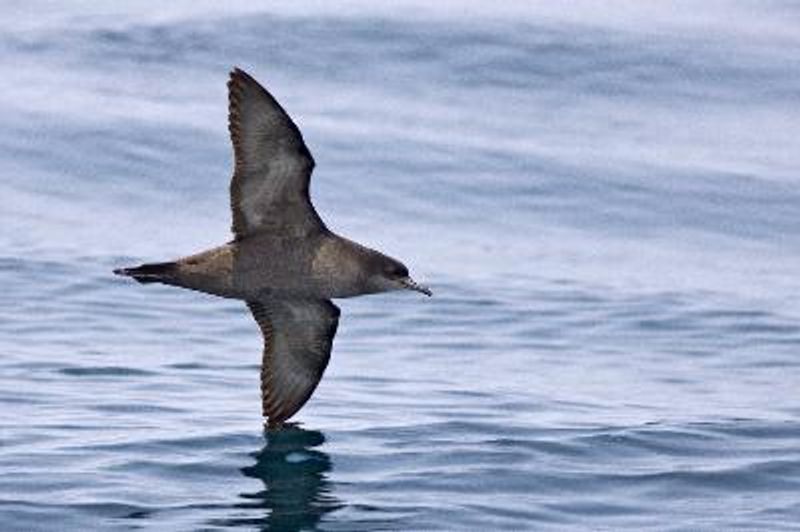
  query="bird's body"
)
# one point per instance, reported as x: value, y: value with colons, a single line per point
x: 283, y: 260
x: 322, y: 265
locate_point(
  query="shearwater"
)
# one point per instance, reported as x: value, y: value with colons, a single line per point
x: 283, y: 261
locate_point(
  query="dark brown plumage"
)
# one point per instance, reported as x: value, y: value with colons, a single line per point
x: 283, y: 261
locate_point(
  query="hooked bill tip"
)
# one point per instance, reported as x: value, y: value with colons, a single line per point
x: 410, y: 284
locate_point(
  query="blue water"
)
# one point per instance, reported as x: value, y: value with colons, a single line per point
x: 604, y: 200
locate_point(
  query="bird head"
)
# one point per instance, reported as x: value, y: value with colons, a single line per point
x: 390, y: 274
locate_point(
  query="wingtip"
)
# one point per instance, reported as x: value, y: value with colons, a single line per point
x: 238, y: 73
x: 271, y: 425
x: 233, y: 75
x: 237, y: 83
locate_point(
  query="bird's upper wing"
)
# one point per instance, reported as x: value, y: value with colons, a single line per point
x: 298, y: 334
x: 272, y: 165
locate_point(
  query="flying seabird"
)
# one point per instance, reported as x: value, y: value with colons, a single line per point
x: 283, y: 261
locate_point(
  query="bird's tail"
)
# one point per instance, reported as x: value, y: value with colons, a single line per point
x: 158, y: 272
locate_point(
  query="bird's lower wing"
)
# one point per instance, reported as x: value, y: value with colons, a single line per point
x: 298, y: 335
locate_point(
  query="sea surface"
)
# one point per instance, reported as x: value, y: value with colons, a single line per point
x: 604, y: 198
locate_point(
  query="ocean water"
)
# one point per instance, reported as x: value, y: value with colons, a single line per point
x: 604, y: 199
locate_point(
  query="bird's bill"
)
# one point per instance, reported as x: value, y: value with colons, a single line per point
x: 410, y: 284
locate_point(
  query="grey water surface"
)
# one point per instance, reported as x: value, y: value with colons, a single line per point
x: 603, y: 197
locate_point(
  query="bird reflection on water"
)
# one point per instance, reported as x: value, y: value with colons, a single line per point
x: 297, y: 492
